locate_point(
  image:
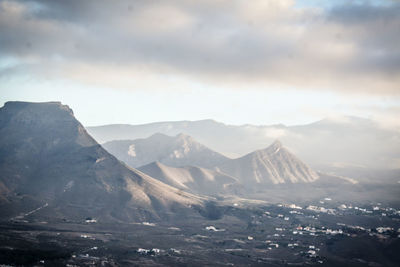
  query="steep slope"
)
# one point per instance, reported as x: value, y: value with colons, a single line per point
x: 48, y: 161
x: 273, y: 165
x: 194, y: 179
x: 176, y: 151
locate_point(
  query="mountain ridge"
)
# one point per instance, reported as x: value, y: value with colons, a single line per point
x: 175, y: 151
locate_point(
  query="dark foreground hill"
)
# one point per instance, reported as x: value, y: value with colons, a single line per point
x: 50, y: 166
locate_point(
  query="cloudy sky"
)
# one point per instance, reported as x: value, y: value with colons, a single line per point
x: 236, y: 61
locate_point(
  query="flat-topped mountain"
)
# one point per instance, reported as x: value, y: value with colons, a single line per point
x: 175, y: 151
x: 273, y: 165
x: 194, y: 179
x: 50, y: 166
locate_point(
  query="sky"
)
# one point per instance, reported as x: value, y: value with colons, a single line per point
x: 236, y: 61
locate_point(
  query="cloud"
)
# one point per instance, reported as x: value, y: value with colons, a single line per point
x: 385, y: 117
x: 275, y: 133
x: 345, y: 48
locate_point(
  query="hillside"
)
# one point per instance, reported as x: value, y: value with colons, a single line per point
x: 50, y: 164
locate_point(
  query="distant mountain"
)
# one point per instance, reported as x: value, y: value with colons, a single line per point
x: 176, y: 151
x: 111, y: 132
x: 273, y: 165
x: 50, y: 167
x: 194, y: 179
x: 346, y: 141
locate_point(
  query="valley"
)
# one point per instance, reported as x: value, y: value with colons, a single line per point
x: 248, y: 234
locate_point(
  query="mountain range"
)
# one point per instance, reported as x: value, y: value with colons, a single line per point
x: 259, y: 170
x: 160, y: 153
x: 344, y: 142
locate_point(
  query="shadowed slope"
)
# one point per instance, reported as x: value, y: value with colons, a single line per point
x: 48, y: 159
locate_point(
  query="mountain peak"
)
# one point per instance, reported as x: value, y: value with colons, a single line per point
x: 276, y: 144
x: 52, y: 120
x: 175, y: 151
x: 275, y: 147
x: 182, y: 136
x: 44, y: 113
x: 23, y: 103
x: 37, y: 106
x: 275, y: 164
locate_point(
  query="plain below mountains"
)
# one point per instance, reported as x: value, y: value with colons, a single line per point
x: 50, y: 166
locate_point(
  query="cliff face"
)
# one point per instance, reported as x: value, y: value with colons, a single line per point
x: 48, y: 158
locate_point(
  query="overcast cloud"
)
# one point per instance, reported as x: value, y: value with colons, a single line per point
x: 349, y: 48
